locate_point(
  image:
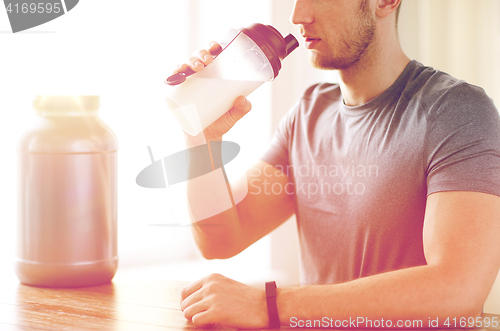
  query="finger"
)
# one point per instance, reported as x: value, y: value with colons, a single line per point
x: 192, y: 299
x: 197, y: 308
x: 200, y: 59
x: 215, y: 48
x: 204, y: 56
x: 203, y: 318
x: 241, y: 107
x: 180, y: 68
x: 191, y: 288
x: 195, y: 64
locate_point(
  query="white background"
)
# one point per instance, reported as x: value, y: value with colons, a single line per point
x: 123, y: 51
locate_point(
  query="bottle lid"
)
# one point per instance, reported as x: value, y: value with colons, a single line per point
x: 272, y: 43
x: 66, y: 104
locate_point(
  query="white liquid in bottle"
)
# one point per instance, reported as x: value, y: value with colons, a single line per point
x: 213, y: 98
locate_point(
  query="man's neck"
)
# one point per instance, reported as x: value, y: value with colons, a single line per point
x: 376, y: 71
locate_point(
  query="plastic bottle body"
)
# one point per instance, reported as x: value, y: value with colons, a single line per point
x: 205, y: 96
x: 67, y: 201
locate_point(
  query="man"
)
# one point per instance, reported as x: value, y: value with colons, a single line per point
x: 405, y: 163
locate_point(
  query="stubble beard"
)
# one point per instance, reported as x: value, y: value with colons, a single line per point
x: 353, y: 45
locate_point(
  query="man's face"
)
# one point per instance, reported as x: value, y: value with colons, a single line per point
x: 338, y: 32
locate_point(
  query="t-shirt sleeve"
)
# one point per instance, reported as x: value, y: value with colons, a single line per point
x: 277, y: 154
x: 462, y: 144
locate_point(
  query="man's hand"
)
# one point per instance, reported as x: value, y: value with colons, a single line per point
x: 200, y: 59
x: 241, y: 105
x: 216, y: 299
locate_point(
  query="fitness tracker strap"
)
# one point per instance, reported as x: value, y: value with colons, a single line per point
x: 272, y: 307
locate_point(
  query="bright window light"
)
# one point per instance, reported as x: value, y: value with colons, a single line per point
x: 123, y: 51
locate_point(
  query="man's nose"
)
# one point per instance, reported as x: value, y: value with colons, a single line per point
x: 301, y: 13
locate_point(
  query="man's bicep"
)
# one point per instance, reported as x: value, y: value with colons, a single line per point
x: 461, y: 231
x: 268, y: 203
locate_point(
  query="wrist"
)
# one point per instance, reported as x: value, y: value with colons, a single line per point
x: 264, y: 316
x: 284, y: 300
x: 199, y: 139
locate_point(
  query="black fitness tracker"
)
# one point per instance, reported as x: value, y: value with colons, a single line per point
x: 272, y: 307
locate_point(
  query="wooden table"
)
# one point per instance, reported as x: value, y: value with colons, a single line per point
x: 123, y: 305
x: 120, y: 305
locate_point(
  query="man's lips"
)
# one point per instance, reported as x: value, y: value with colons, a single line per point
x: 310, y: 42
x: 308, y: 38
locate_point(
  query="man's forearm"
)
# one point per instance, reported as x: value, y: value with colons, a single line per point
x: 415, y: 293
x: 212, y: 210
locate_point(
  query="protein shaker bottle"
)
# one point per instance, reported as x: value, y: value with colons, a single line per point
x: 250, y: 57
x: 67, y: 195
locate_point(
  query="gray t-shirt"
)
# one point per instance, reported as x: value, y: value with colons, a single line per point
x: 361, y: 175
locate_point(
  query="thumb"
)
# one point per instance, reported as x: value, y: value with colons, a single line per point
x: 241, y: 107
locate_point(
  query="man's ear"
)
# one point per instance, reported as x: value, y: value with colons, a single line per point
x: 386, y: 7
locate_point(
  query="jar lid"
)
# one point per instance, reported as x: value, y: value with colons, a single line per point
x: 66, y: 103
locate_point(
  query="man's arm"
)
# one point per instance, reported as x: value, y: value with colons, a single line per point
x: 461, y: 231
x: 227, y: 233
x: 262, y: 210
